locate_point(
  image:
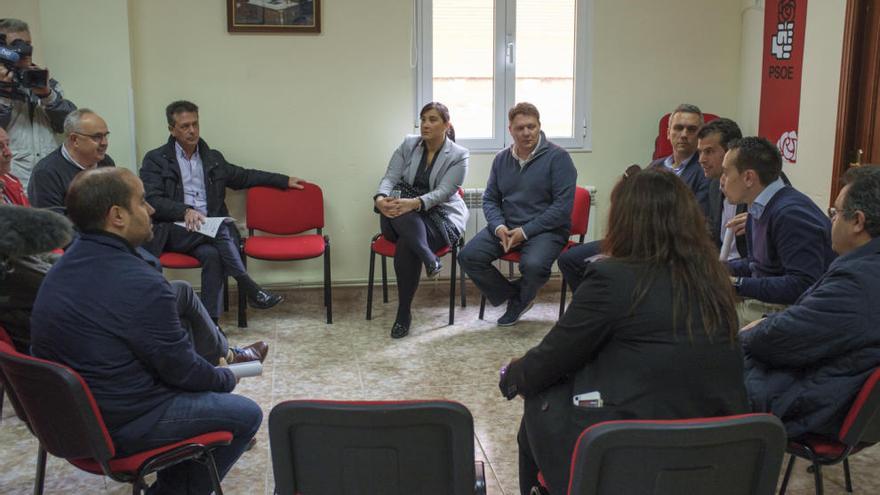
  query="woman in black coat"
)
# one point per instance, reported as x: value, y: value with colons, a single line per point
x: 650, y: 333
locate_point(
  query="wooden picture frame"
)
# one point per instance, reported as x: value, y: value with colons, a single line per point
x: 273, y: 16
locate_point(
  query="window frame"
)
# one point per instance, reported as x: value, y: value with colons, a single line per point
x: 505, y: 74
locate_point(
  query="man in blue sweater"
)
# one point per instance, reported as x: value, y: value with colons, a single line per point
x: 527, y: 203
x: 105, y: 312
x: 806, y: 364
x: 788, y: 237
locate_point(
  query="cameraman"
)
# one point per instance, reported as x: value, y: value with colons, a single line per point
x: 31, y: 116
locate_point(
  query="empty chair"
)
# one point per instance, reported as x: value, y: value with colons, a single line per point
x: 287, y: 213
x: 388, y: 448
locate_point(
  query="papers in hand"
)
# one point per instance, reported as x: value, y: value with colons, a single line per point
x: 210, y: 227
x: 248, y: 369
x: 727, y: 244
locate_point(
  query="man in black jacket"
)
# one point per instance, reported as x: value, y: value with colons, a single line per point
x: 186, y: 182
x: 807, y: 363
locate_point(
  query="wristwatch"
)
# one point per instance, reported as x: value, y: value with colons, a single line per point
x: 737, y: 282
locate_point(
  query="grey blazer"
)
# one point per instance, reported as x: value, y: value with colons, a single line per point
x: 446, y: 177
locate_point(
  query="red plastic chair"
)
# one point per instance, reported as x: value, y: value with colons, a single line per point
x: 386, y: 249
x: 58, y: 407
x: 662, y: 148
x: 287, y: 212
x: 860, y: 429
x: 580, y: 220
x: 728, y: 455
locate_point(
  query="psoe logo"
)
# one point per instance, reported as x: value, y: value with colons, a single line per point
x: 787, y: 145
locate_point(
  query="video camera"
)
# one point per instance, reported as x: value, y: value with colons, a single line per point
x: 22, y: 78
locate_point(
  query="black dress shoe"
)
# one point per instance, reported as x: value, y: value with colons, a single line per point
x: 262, y: 299
x: 399, y: 330
x: 433, y: 269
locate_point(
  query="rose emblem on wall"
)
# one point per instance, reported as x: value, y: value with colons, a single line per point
x: 786, y: 10
x: 787, y: 145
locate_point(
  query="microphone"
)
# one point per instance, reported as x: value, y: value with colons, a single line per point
x: 26, y: 231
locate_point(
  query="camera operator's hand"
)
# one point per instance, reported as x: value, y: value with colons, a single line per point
x: 5, y: 75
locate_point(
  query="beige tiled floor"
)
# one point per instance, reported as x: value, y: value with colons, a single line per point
x: 355, y: 359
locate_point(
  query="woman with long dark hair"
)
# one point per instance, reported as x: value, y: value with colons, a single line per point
x: 419, y: 206
x: 650, y: 333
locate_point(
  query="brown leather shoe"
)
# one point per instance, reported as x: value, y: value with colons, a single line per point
x: 253, y: 352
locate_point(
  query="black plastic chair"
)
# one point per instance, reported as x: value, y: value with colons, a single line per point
x: 393, y: 448
x: 58, y: 407
x: 860, y: 429
x: 731, y: 455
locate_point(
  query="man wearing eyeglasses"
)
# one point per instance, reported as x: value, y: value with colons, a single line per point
x: 32, y: 115
x: 84, y: 148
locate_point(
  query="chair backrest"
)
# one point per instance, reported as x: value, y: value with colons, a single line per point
x: 285, y: 211
x: 58, y: 405
x: 6, y: 343
x: 662, y: 147
x: 580, y: 212
x: 862, y: 422
x: 345, y: 448
x: 722, y: 456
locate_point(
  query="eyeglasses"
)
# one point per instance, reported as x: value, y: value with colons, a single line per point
x: 98, y: 137
x: 833, y: 212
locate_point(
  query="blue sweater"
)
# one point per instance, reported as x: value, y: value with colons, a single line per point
x: 789, y: 249
x: 109, y: 315
x: 538, y: 198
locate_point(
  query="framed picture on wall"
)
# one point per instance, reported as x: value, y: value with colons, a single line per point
x: 273, y: 16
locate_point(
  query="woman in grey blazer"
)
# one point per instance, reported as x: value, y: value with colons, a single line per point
x: 419, y: 206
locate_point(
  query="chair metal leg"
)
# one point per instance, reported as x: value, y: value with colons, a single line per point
x: 452, y: 289
x: 562, y: 299
x: 791, y: 459
x: 482, y: 306
x: 384, y: 279
x: 846, y: 476
x: 215, y: 475
x: 510, y: 269
x: 2, y: 396
x: 40, y: 477
x: 328, y: 289
x: 817, y: 475
x: 370, y: 284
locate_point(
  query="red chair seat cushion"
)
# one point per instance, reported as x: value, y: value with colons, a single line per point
x: 298, y: 247
x: 384, y: 247
x: 826, y: 449
x: 131, y: 464
x: 178, y: 260
x: 513, y: 256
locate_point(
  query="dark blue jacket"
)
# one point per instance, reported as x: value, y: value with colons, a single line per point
x: 109, y: 315
x: 806, y: 364
x: 538, y: 198
x: 789, y: 249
